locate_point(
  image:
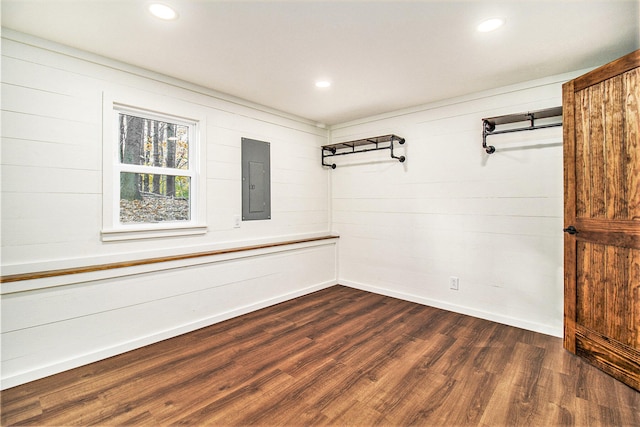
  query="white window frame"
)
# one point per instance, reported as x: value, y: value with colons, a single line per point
x: 160, y: 108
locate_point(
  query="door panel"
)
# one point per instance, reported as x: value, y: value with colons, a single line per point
x: 606, y: 294
x: 631, y: 123
x: 602, y: 202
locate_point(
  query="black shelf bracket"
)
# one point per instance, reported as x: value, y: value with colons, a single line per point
x: 385, y: 142
x: 489, y: 124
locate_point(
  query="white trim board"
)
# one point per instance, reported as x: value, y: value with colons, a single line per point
x: 505, y: 320
x: 65, y: 280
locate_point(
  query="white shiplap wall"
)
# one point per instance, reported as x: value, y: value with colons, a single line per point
x: 450, y: 210
x: 495, y: 222
x: 52, y: 159
x: 52, y: 207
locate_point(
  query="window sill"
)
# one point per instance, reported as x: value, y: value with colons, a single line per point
x: 152, y: 233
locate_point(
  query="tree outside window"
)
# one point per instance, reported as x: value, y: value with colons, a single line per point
x: 154, y: 168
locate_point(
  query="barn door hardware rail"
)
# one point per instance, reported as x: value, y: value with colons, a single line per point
x: 375, y: 143
x: 489, y: 124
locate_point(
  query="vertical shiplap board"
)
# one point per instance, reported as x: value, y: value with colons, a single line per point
x: 52, y: 207
x: 495, y: 222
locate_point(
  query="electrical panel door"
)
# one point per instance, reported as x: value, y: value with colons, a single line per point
x: 256, y: 180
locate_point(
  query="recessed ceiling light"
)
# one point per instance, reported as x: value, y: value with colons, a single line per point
x: 490, y: 25
x: 162, y: 11
x: 323, y: 84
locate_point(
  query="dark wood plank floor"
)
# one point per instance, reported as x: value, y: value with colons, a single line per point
x: 339, y: 357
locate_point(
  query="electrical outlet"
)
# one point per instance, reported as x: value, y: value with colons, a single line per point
x: 236, y: 221
x: 454, y: 283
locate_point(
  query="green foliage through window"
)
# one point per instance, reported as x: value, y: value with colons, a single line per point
x: 162, y: 148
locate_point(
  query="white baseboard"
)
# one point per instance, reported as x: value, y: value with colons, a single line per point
x: 506, y: 320
x: 100, y: 354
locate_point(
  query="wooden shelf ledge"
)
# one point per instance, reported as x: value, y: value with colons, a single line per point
x: 123, y: 264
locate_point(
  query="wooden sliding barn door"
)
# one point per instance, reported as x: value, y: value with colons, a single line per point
x: 602, y: 218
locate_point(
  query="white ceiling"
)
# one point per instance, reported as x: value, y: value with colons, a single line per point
x: 379, y: 55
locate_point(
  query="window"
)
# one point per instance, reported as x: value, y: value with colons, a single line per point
x: 154, y: 169
x: 153, y: 175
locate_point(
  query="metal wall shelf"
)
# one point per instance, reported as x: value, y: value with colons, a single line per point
x: 375, y: 143
x: 489, y: 124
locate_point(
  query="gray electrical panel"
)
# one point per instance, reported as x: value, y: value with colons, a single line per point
x: 256, y: 180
